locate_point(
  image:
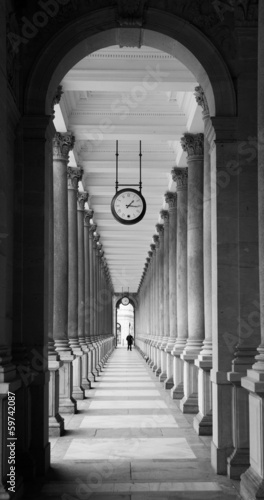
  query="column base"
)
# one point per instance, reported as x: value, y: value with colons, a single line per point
x: 168, y: 384
x: 78, y: 393
x: 56, y: 426
x: 251, y: 486
x: 85, y: 384
x: 203, y: 424
x: 162, y: 377
x: 67, y: 405
x: 190, y: 404
x: 158, y: 372
x: 219, y: 458
x: 154, y: 368
x: 238, y: 463
x: 177, y: 391
x: 91, y: 379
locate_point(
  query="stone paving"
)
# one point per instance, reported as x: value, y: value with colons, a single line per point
x: 130, y: 441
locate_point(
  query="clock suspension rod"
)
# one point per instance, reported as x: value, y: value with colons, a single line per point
x: 117, y: 155
x: 140, y: 166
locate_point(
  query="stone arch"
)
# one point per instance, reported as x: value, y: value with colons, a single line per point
x: 161, y: 31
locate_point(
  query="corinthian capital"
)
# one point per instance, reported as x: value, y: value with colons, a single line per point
x: 171, y: 199
x: 74, y: 176
x: 193, y: 144
x: 62, y: 145
x: 201, y: 100
x: 180, y: 176
x: 88, y: 215
x: 56, y: 99
x: 92, y: 229
x: 160, y: 229
x: 82, y: 198
x: 164, y: 215
x: 156, y: 240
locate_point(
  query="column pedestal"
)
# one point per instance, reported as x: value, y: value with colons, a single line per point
x: 202, y: 422
x: 189, y: 403
x: 177, y: 389
x: 252, y: 481
x: 168, y: 384
x: 67, y: 403
x: 56, y: 422
x: 77, y: 389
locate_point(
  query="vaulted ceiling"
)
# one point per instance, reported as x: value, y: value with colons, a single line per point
x: 128, y: 95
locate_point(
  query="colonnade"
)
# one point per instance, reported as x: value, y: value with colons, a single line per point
x: 215, y: 374
x: 81, y: 341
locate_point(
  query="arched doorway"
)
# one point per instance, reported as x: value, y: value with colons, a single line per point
x: 160, y: 31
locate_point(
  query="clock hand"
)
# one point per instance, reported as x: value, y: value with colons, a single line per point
x: 129, y: 204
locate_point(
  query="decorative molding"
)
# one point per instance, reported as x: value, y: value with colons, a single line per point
x: 129, y: 55
x: 153, y: 248
x: 62, y: 145
x: 56, y: 99
x: 106, y: 113
x: 165, y: 216
x: 201, y: 100
x: 74, y: 176
x: 82, y: 198
x: 193, y: 144
x: 171, y: 199
x: 180, y: 176
x: 131, y: 13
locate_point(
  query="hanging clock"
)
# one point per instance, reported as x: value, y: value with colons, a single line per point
x: 125, y: 301
x: 128, y: 205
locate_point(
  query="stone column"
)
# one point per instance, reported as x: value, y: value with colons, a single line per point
x: 180, y: 177
x: 166, y: 297
x: 203, y: 420
x: 62, y: 144
x: 157, y: 316
x: 88, y: 216
x: 252, y: 481
x: 74, y: 175
x: 193, y: 144
x: 171, y: 200
x: 82, y: 198
x: 92, y: 373
x: 160, y: 230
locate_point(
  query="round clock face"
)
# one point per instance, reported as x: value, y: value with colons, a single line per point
x: 128, y: 206
x: 125, y: 301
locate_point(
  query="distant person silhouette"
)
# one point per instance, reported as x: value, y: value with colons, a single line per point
x: 129, y: 340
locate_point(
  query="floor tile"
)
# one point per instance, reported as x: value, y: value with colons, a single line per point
x: 119, y: 422
x: 129, y: 449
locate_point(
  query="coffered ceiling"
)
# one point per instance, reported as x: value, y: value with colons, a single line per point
x: 128, y: 95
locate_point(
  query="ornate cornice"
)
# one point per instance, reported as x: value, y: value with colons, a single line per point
x: 56, y: 99
x: 193, y: 144
x: 82, y: 198
x: 201, y: 100
x: 62, y: 145
x: 180, y: 176
x: 74, y: 176
x: 165, y: 216
x: 171, y: 199
x: 131, y: 13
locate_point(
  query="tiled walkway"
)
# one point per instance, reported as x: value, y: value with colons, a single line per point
x: 130, y: 441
